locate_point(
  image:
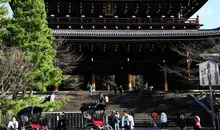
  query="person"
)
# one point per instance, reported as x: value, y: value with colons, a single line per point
x: 118, y: 114
x: 154, y: 116
x: 90, y: 89
x: 115, y: 120
x: 196, y: 123
x: 106, y: 99
x: 182, y: 121
x: 120, y: 89
x: 13, y: 124
x: 109, y: 87
x: 101, y: 98
x: 115, y: 90
x: 127, y: 122
x: 163, y: 118
x: 62, y: 123
x: 145, y: 88
x: 151, y: 90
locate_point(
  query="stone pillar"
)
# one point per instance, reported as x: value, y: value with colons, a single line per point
x: 129, y: 82
x: 92, y: 82
x: 165, y: 77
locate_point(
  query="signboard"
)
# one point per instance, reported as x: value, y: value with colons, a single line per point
x: 209, y: 74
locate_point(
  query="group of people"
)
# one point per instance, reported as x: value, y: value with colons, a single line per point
x: 120, y: 89
x: 181, y: 119
x: 163, y: 119
x: 127, y: 121
x: 103, y: 99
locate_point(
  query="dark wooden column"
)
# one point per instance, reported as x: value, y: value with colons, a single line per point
x: 188, y: 66
x: 93, y: 81
x: 129, y: 82
x: 165, y: 77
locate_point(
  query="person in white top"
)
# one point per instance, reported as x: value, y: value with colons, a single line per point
x: 163, y: 118
x: 13, y: 124
x: 127, y: 122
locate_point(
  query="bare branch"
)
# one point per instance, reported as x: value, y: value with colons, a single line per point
x: 193, y: 53
x: 67, y: 58
x: 14, y: 71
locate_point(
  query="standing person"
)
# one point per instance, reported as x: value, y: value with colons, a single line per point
x: 196, y: 123
x: 13, y: 124
x: 101, y: 98
x: 106, y: 99
x: 62, y: 123
x: 118, y: 114
x: 151, y: 90
x: 154, y: 116
x: 120, y: 89
x: 115, y: 120
x: 90, y: 89
x: 163, y: 118
x: 127, y: 122
x: 182, y: 121
x: 115, y: 90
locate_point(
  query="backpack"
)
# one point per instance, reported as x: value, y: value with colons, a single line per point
x: 116, y: 119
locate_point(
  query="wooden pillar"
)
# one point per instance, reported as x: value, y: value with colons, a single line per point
x: 197, y: 18
x: 165, y: 77
x: 188, y: 66
x: 93, y: 81
x: 56, y: 87
x: 129, y: 82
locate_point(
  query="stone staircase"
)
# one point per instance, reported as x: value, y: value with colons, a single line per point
x: 142, y: 105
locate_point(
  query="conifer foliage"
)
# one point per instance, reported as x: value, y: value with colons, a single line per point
x: 30, y: 31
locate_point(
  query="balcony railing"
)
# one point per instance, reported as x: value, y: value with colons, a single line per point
x: 121, y: 21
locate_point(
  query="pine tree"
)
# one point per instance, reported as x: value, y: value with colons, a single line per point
x: 3, y: 13
x: 30, y: 31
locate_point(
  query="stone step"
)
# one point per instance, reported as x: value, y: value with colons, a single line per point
x: 141, y: 104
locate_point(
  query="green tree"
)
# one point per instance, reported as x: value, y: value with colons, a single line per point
x: 30, y: 31
x: 3, y: 19
x: 137, y: 81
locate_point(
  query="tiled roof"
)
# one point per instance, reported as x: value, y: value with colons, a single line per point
x: 135, y: 33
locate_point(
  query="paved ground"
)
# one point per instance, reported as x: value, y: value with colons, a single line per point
x: 170, y: 128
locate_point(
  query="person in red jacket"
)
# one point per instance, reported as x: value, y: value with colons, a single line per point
x: 154, y: 116
x: 196, y: 122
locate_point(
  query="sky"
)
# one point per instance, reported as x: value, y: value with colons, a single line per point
x: 209, y: 14
x: 9, y: 9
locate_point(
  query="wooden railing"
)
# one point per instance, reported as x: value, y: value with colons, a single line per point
x: 127, y: 21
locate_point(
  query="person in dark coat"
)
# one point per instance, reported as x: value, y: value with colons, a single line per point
x: 120, y: 89
x: 115, y: 90
x: 62, y: 123
x: 182, y: 121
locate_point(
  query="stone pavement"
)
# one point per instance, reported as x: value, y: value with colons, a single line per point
x: 173, y: 128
